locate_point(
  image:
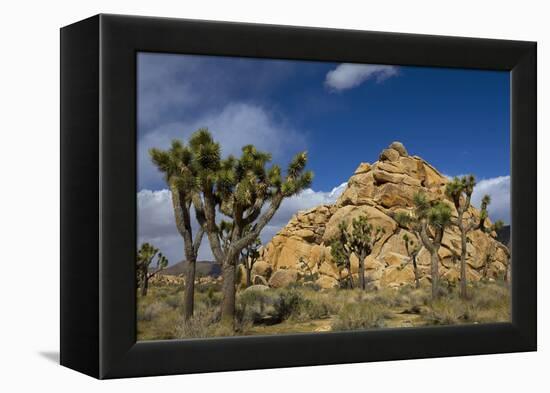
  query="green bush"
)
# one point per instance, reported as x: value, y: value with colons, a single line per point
x: 288, y: 304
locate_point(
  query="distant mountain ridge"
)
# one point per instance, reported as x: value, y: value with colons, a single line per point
x: 204, y: 268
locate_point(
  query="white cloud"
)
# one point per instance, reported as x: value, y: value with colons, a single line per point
x: 236, y: 125
x: 156, y: 219
x: 347, y: 76
x: 156, y: 225
x: 498, y: 188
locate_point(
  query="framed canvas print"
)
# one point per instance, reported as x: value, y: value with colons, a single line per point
x: 239, y: 196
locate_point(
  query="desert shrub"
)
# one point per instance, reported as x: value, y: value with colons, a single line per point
x: 174, y: 301
x: 207, y: 286
x: 452, y: 311
x: 152, y: 311
x: 362, y: 315
x: 419, y: 297
x: 253, y: 306
x: 288, y: 303
x: 316, y: 309
x: 492, y: 302
x: 198, y: 326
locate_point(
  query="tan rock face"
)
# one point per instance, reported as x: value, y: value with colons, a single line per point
x: 283, y: 278
x: 378, y: 191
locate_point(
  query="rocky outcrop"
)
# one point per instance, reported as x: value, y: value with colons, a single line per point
x: 378, y: 191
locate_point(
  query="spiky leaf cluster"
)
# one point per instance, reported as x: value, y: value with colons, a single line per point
x: 437, y: 213
x: 177, y: 165
x: 460, y: 187
x: 244, y: 182
x: 338, y: 250
x: 363, y: 235
x: 146, y: 255
x: 358, y: 240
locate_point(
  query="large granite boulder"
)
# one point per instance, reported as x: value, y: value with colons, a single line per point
x: 378, y: 191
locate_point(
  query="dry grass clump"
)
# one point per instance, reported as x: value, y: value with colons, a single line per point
x: 363, y: 315
x: 486, y: 303
x: 152, y: 311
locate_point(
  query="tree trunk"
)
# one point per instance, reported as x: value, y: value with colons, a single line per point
x: 463, y: 283
x: 507, y: 272
x: 228, y: 293
x: 248, y: 276
x: 362, y: 282
x: 144, y: 285
x: 189, y: 291
x: 415, y: 268
x: 435, y: 273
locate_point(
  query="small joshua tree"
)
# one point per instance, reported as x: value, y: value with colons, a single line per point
x: 245, y: 191
x: 249, y: 256
x: 430, y: 220
x: 341, y: 254
x: 413, y: 248
x: 310, y: 275
x: 145, y: 256
x: 178, y: 166
x: 359, y: 241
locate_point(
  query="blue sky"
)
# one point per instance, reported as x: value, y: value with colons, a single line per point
x: 456, y: 119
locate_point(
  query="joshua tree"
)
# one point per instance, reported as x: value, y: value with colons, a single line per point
x: 460, y: 190
x: 484, y: 214
x: 246, y: 192
x: 430, y: 220
x: 177, y: 165
x: 249, y: 256
x: 359, y: 241
x: 341, y: 254
x: 310, y: 275
x: 145, y: 256
x: 413, y: 248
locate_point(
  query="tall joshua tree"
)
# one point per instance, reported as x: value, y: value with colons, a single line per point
x: 460, y: 190
x: 412, y: 246
x: 430, y: 220
x: 244, y: 190
x: 177, y: 165
x: 145, y: 256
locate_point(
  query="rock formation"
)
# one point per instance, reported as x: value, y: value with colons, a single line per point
x: 378, y: 190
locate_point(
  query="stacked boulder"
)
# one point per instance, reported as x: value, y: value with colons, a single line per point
x: 377, y: 191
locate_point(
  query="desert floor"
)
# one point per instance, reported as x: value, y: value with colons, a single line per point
x: 304, y: 309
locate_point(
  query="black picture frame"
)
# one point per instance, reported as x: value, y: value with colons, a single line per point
x: 98, y: 195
